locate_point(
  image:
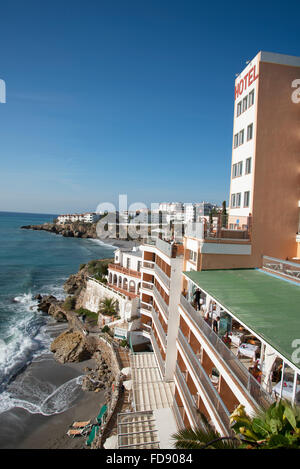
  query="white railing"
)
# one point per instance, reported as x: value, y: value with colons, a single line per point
x: 249, y: 383
x: 160, y: 330
x: 207, y: 387
x: 157, y: 353
x: 279, y: 266
x: 161, y: 302
x: 162, y: 275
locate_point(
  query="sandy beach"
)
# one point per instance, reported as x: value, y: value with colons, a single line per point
x: 22, y: 429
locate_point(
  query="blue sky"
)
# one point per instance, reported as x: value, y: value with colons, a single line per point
x: 125, y: 97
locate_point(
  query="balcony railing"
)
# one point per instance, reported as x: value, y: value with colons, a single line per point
x: 161, y: 301
x: 147, y: 286
x: 148, y: 264
x: 206, y: 384
x: 177, y: 415
x: 205, y: 231
x: 162, y: 275
x: 189, y: 401
x: 146, y: 306
x: 124, y: 270
x: 250, y: 384
x: 158, y: 356
x: 159, y: 327
x: 286, y: 268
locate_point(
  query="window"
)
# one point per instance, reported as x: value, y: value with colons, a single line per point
x: 139, y: 266
x: 193, y: 256
x: 128, y: 263
x: 248, y: 166
x: 234, y: 170
x: 245, y: 103
x: 232, y: 200
x: 249, y: 132
x: 238, y: 199
x: 239, y: 108
x: 251, y: 98
x: 236, y: 140
x: 240, y: 168
x: 246, y: 198
x: 241, y: 137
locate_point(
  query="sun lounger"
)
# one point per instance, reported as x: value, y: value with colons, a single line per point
x: 73, y: 432
x: 81, y: 424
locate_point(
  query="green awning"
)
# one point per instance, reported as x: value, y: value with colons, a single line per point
x: 269, y: 306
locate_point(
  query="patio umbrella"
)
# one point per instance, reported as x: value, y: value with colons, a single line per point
x: 111, y: 442
x: 126, y: 371
x: 128, y: 384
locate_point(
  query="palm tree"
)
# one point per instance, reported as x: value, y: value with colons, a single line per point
x: 108, y: 307
x: 204, y: 437
x: 272, y: 428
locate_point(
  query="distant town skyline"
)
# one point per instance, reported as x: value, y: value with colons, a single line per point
x: 132, y: 98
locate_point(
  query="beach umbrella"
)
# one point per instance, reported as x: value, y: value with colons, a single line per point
x: 128, y: 384
x: 111, y: 442
x: 126, y: 371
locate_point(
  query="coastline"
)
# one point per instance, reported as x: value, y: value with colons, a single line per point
x: 21, y: 429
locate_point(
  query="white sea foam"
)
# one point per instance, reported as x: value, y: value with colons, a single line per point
x: 23, y: 338
x: 39, y: 398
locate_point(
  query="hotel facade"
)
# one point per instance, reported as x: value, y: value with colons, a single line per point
x: 222, y: 309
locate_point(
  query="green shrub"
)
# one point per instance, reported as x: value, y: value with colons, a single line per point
x: 123, y: 343
x: 89, y: 314
x: 69, y: 303
x: 105, y: 329
x: 82, y: 266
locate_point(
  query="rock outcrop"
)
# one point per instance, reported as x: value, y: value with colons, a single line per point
x: 71, y: 346
x: 50, y: 305
x: 69, y: 230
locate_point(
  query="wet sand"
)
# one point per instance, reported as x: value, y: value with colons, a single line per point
x: 22, y: 429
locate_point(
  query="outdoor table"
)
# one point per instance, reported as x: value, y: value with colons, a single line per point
x: 248, y: 350
x: 236, y: 337
x: 287, y: 390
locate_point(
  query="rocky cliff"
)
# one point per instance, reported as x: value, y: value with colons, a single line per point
x: 69, y: 230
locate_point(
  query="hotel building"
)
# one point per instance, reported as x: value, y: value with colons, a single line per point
x: 265, y: 186
x: 238, y: 343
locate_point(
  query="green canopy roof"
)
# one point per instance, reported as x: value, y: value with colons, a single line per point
x: 268, y: 305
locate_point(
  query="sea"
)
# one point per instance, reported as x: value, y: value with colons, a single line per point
x: 31, y: 263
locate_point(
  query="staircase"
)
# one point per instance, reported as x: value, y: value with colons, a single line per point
x: 137, y: 430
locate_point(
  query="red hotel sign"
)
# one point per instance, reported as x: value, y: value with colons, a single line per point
x: 243, y: 84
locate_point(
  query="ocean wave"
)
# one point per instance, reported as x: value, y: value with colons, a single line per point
x: 103, y: 244
x: 41, y: 398
x: 23, y: 337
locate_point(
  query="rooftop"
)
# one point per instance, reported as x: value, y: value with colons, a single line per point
x: 267, y: 305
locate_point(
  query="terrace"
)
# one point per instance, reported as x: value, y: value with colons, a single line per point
x: 258, y: 322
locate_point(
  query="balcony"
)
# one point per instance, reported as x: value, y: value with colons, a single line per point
x: 161, y: 302
x: 129, y: 294
x: 147, y: 286
x: 281, y: 267
x: 124, y: 270
x: 148, y: 265
x: 162, y: 276
x: 177, y: 415
x: 158, y: 356
x: 159, y: 328
x: 188, y: 399
x: 212, y: 396
x: 146, y: 306
x: 203, y: 231
x: 248, y: 383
